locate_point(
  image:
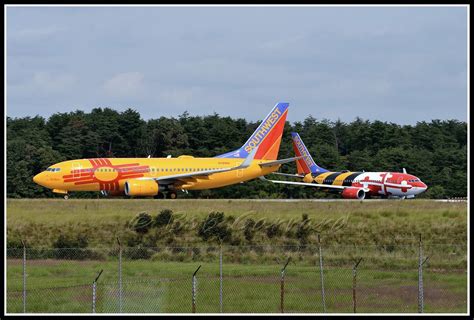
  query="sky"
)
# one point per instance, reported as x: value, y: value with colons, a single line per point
x: 394, y: 64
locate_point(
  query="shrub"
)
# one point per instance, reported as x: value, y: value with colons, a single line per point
x: 142, y: 222
x: 235, y: 241
x: 133, y: 239
x: 303, y: 230
x: 73, y: 248
x: 14, y: 248
x: 260, y: 224
x: 177, y: 228
x: 137, y: 253
x: 151, y: 238
x: 214, y: 227
x: 66, y: 241
x: 165, y: 217
x: 273, y: 230
x: 249, y: 230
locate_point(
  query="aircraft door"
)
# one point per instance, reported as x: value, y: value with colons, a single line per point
x: 240, y: 172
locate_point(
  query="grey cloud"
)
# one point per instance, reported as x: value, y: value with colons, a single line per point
x: 395, y: 64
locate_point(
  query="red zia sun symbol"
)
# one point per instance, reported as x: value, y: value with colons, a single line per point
x: 108, y: 176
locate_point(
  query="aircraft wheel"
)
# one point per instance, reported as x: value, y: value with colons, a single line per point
x: 172, y: 195
x: 66, y: 197
x: 160, y: 195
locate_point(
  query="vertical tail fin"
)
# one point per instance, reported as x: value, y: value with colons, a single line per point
x: 266, y: 138
x: 306, y: 164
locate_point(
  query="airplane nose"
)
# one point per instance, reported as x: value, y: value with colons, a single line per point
x: 39, y: 179
x: 423, y: 187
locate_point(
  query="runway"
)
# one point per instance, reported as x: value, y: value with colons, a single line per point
x: 325, y: 200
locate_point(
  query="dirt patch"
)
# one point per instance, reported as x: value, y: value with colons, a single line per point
x: 399, y: 298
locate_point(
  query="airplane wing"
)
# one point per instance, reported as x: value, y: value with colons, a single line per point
x: 315, y: 185
x: 204, y: 173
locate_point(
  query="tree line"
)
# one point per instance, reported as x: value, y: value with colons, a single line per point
x: 434, y: 151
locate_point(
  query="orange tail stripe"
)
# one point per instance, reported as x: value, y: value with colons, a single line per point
x: 271, y: 138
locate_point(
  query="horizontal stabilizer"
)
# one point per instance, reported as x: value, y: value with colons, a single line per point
x: 289, y: 175
x: 282, y: 161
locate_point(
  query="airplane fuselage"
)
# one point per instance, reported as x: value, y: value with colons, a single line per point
x: 110, y: 174
x: 394, y: 184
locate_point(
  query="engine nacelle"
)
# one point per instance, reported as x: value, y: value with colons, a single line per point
x: 353, y: 193
x: 142, y: 188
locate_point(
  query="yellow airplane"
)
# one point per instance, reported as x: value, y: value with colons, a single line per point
x: 160, y: 177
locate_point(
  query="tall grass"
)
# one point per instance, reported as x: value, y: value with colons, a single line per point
x: 397, y: 222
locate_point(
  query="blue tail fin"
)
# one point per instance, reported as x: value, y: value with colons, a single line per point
x: 306, y: 164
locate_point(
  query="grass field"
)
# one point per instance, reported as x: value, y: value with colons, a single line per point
x: 166, y: 287
x: 384, y: 233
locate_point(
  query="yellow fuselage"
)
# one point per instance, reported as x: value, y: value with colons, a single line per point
x: 112, y: 173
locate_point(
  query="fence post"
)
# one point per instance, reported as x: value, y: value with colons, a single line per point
x: 220, y: 279
x: 24, y: 276
x: 94, y: 293
x: 282, y: 287
x: 194, y: 289
x: 323, y: 296
x: 120, y: 277
x: 354, y: 283
x: 421, y: 262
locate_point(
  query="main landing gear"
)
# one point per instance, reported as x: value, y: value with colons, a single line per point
x: 172, y: 195
x: 167, y: 195
x: 160, y: 195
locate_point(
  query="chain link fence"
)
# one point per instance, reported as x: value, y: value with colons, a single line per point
x: 319, y: 278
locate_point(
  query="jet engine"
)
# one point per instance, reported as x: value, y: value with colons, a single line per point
x: 353, y: 193
x: 141, y: 188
